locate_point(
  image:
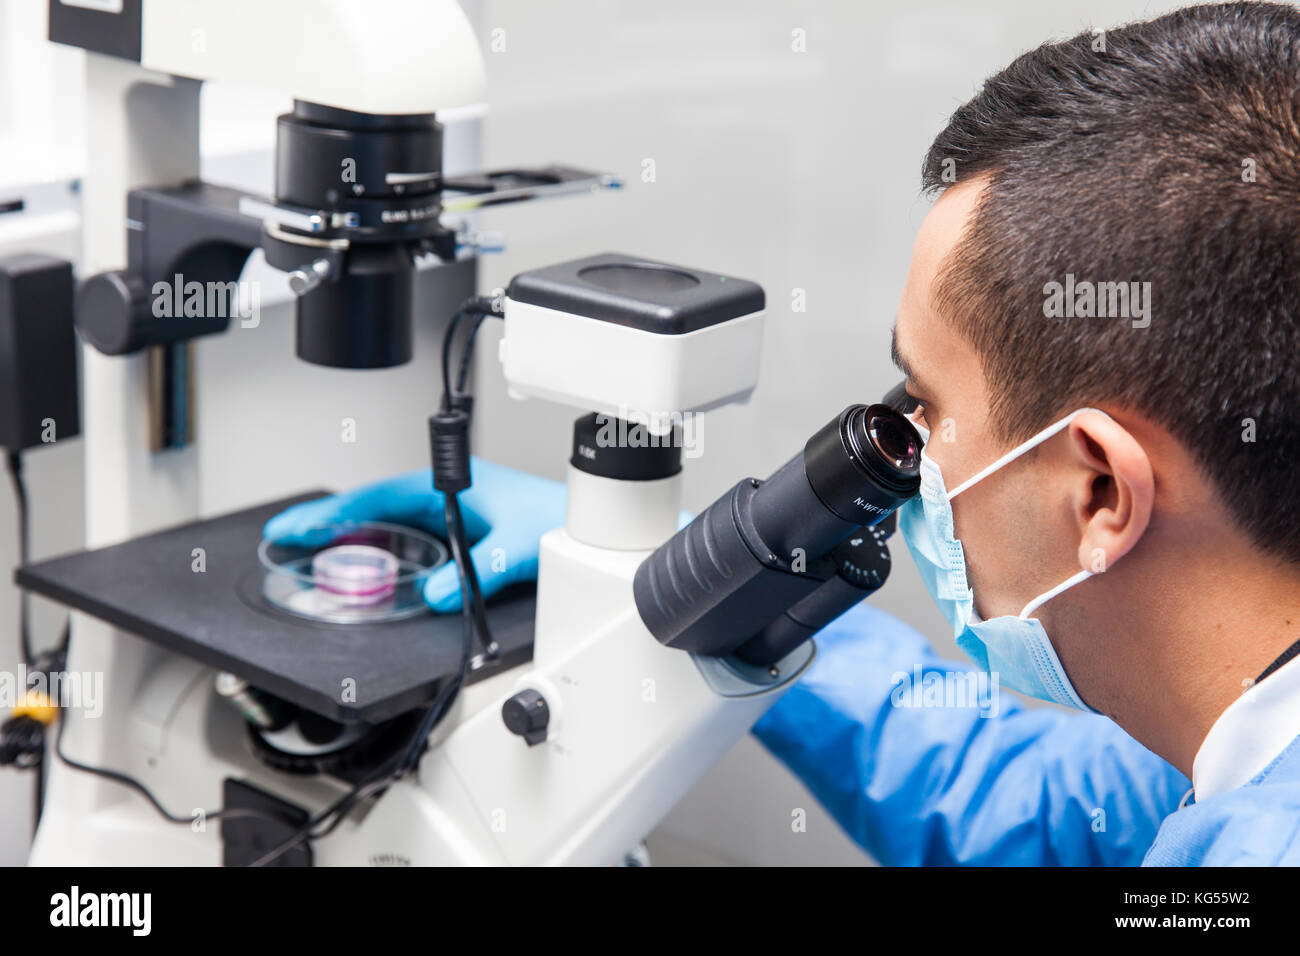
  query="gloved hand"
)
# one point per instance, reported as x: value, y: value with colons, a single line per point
x: 506, y: 512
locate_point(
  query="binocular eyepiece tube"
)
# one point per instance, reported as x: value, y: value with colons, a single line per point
x: 765, y: 547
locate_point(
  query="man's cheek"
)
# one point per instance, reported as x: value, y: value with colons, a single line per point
x: 989, y: 540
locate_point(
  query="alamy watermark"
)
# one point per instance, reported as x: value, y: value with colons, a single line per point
x: 133, y: 911
x: 65, y: 689
x: 214, y: 300
x: 1085, y: 299
x: 965, y: 689
x: 637, y: 429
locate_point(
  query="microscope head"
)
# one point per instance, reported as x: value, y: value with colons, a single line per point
x: 358, y: 198
x: 369, y: 187
x: 359, y: 184
x: 359, y: 159
x: 632, y: 337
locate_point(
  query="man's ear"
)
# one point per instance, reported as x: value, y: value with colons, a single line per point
x: 1114, y: 501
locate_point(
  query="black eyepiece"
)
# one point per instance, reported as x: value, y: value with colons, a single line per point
x: 894, y: 437
x: 735, y: 569
x: 865, y: 463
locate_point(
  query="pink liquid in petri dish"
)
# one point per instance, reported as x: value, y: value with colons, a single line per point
x: 356, y: 574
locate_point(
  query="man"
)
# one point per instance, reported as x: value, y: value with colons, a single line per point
x: 1100, y: 328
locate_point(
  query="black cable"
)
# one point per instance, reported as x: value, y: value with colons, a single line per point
x: 126, y: 780
x: 22, y: 740
x: 462, y: 376
x: 447, y: 339
x: 473, y: 615
x: 1284, y: 658
x: 383, y: 776
x: 19, y: 740
x: 472, y: 606
x: 14, y: 460
x: 39, y: 810
x: 53, y: 662
x: 453, y: 454
x: 478, y: 308
x: 448, y: 693
x: 471, y: 593
x: 338, y: 810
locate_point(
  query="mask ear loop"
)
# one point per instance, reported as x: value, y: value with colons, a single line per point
x: 1046, y: 596
x: 1011, y: 456
x: 1020, y: 449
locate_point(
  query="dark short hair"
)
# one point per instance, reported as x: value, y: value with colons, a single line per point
x: 1127, y: 156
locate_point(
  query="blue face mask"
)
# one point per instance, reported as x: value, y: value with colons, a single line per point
x: 1014, y: 648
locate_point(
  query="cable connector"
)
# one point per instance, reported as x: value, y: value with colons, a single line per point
x: 22, y: 736
x: 449, y: 444
x: 482, y: 305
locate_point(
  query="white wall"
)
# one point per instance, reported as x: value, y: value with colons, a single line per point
x: 798, y: 170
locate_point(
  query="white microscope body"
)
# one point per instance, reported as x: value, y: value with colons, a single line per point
x: 633, y: 723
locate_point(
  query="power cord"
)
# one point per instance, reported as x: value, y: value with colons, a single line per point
x: 14, y: 461
x: 449, y: 440
x: 23, y: 734
x: 227, y: 813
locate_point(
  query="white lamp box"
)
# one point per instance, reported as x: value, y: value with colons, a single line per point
x: 630, y: 337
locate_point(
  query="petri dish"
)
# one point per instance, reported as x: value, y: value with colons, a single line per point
x: 350, y: 573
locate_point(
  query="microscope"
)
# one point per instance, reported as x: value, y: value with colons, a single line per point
x: 258, y: 688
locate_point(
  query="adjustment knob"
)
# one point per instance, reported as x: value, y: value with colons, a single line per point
x: 862, y: 559
x: 110, y: 311
x: 118, y: 313
x: 527, y: 715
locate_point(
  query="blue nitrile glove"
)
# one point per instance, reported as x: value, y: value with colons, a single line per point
x: 506, y: 512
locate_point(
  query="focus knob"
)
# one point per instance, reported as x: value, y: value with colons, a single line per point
x: 110, y: 312
x: 118, y: 313
x: 862, y: 559
x: 527, y: 715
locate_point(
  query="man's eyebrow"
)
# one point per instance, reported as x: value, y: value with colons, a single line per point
x: 897, y: 356
x: 901, y: 362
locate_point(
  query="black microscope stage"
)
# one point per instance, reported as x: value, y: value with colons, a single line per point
x: 146, y: 586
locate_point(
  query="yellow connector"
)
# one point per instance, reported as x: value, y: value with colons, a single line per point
x: 39, y: 706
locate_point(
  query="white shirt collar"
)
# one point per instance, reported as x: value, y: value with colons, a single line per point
x: 1250, y: 734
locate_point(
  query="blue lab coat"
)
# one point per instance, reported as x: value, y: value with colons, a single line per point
x: 916, y: 776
